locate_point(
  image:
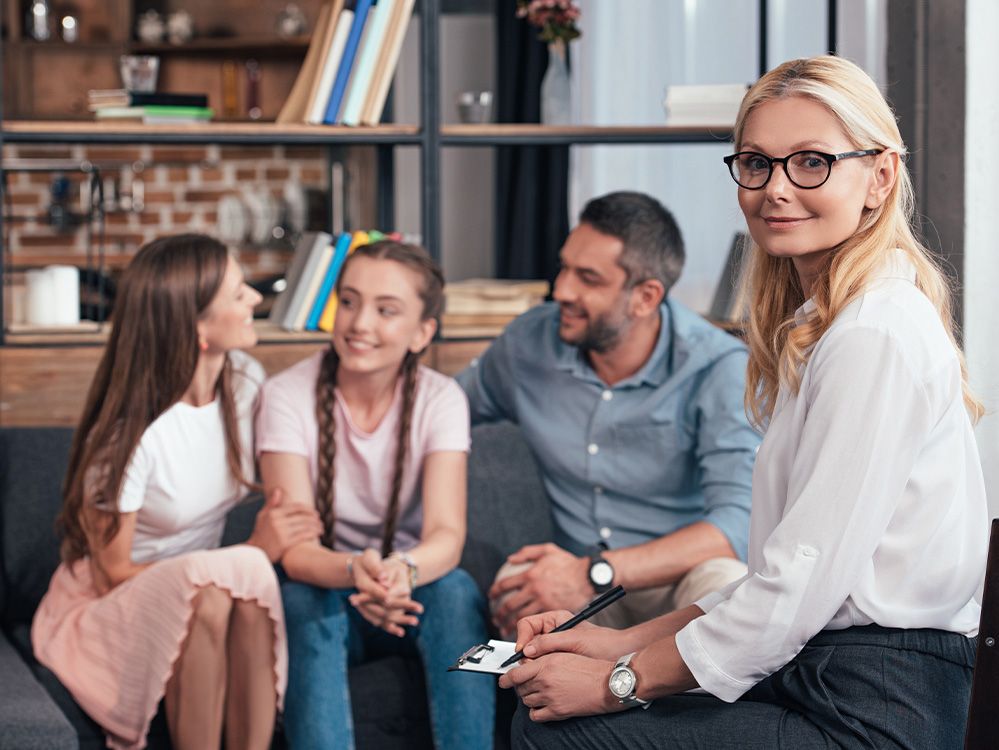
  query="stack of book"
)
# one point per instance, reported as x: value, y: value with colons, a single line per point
x: 704, y: 105
x: 308, y: 301
x: 477, y: 308
x: 151, y: 108
x: 350, y: 63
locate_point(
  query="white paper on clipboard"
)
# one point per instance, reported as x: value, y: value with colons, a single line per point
x: 487, y: 658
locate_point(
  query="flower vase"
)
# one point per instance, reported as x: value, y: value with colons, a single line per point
x: 556, y: 101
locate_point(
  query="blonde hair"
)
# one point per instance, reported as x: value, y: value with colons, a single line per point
x: 778, y: 348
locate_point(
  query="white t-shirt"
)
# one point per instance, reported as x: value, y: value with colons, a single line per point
x: 178, y: 480
x: 868, y: 497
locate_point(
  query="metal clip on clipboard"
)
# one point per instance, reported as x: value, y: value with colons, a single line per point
x: 475, y: 654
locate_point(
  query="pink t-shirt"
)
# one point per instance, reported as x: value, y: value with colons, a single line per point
x: 364, y: 462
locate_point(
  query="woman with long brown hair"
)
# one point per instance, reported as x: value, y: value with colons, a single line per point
x: 378, y: 443
x: 855, y: 624
x: 143, y: 607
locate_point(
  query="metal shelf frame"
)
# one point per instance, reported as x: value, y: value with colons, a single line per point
x: 430, y: 136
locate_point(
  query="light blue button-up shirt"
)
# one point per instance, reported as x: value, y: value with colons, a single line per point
x: 628, y: 463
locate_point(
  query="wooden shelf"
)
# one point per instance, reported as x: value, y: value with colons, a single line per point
x: 61, y: 46
x: 515, y: 134
x: 269, y: 133
x: 96, y: 334
x: 260, y: 133
x: 235, y: 45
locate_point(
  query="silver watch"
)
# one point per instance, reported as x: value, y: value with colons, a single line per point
x: 623, y: 683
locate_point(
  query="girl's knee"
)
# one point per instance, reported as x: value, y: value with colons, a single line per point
x: 456, y: 586
x: 212, y: 608
x: 304, y: 602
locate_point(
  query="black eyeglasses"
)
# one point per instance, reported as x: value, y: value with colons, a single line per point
x: 805, y: 169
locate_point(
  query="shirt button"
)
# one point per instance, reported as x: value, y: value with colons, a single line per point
x: 593, y: 449
x: 605, y: 533
x: 607, y: 395
x: 598, y: 490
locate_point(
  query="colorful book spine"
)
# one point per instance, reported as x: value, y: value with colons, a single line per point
x: 374, y: 102
x: 326, y: 289
x: 347, y: 62
x: 314, y: 282
x: 319, y: 94
x: 329, y: 312
x: 368, y: 55
x: 294, y: 107
x: 299, y: 277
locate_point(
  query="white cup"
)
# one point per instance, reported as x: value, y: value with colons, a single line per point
x: 53, y: 296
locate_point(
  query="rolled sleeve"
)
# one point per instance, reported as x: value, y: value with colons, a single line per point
x: 868, y: 414
x: 726, y: 449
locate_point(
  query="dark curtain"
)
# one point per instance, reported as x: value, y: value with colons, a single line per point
x: 532, y: 182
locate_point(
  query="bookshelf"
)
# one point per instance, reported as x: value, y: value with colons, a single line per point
x: 23, y: 352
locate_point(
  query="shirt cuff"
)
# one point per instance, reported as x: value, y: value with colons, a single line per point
x: 707, y: 673
x: 709, y: 602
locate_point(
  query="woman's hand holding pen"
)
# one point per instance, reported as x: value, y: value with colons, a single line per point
x: 565, y: 674
x: 534, y: 637
x: 383, y: 597
x: 561, y: 685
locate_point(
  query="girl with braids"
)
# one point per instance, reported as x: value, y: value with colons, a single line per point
x: 143, y: 607
x: 378, y: 444
x: 855, y: 624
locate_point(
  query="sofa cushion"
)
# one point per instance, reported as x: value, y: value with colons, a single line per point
x: 28, y: 717
x: 32, y: 466
x: 89, y: 733
x: 507, y: 503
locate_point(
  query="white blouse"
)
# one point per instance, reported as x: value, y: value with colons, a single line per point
x: 868, y: 498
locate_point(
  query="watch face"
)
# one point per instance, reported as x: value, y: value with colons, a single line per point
x: 601, y: 573
x: 622, y: 682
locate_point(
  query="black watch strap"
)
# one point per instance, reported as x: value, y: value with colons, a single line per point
x: 600, y: 565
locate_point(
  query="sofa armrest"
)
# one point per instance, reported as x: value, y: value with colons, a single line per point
x: 29, y: 718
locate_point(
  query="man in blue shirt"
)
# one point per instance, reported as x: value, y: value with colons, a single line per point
x: 633, y: 407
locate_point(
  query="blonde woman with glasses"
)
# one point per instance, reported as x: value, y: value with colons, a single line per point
x: 855, y: 624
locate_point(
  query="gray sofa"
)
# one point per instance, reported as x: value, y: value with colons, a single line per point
x: 507, y: 508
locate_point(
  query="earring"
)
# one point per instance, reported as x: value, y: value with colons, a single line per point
x: 202, y: 344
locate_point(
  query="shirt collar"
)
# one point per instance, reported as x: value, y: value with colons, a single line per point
x: 896, y: 265
x: 654, y: 372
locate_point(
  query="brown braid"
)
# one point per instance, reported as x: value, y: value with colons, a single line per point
x: 410, y: 366
x: 326, y: 419
x: 432, y: 296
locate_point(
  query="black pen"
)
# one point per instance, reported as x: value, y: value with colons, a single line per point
x: 606, y: 598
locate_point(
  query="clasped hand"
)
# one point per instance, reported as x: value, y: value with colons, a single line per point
x: 564, y: 674
x: 384, y: 595
x: 555, y: 580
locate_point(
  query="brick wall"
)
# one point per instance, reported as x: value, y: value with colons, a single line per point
x: 182, y: 187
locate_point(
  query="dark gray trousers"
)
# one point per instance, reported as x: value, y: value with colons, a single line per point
x: 865, y: 687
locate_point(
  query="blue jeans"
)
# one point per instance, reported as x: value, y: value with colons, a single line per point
x: 326, y: 635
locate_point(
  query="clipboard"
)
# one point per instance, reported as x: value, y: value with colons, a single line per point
x: 486, y: 658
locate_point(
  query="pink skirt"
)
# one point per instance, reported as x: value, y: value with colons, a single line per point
x: 115, y: 653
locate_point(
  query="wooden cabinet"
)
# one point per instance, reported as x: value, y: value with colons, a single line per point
x: 46, y: 386
x: 50, y: 79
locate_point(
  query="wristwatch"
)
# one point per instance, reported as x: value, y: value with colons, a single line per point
x: 623, y: 683
x: 601, y: 573
x: 410, y: 563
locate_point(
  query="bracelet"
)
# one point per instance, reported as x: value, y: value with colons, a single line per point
x: 350, y: 564
x: 405, y: 557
